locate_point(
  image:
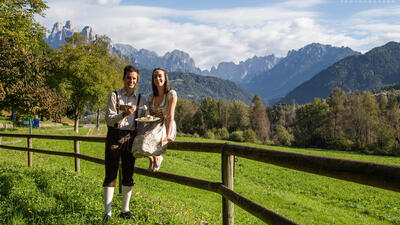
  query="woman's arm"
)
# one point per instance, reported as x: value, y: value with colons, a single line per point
x: 170, y: 116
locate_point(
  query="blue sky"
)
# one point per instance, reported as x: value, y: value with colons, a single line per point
x: 233, y: 30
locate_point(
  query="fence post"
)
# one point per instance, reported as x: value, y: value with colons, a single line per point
x: 29, y: 153
x: 77, y: 161
x: 227, y: 180
x: 30, y: 144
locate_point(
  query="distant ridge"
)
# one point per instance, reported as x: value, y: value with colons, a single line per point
x: 196, y: 87
x: 370, y: 71
x: 298, y: 66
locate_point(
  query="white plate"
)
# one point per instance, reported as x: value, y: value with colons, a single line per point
x: 146, y: 121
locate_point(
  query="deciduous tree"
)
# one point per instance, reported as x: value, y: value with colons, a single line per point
x: 85, y: 73
x: 258, y: 118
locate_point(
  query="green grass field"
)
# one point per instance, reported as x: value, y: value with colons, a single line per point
x: 51, y: 193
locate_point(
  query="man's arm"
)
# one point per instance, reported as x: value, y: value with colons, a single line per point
x: 112, y: 117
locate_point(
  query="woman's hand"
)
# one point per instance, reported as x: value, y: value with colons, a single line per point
x: 167, y: 139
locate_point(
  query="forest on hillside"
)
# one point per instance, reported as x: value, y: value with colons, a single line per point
x: 360, y: 121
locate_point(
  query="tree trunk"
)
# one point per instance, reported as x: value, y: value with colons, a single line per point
x: 76, y: 116
x: 13, y: 116
x: 98, y: 120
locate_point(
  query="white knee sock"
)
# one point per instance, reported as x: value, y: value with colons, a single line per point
x: 126, y: 197
x: 108, y: 196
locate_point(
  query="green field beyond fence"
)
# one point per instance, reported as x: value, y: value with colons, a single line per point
x: 51, y: 193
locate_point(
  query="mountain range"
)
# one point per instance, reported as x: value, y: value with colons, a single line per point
x: 298, y: 66
x: 183, y: 78
x: 311, y: 71
x: 370, y: 71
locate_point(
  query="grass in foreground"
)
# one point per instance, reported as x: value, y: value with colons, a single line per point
x: 302, y: 197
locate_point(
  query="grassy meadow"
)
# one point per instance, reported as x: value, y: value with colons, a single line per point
x: 51, y: 193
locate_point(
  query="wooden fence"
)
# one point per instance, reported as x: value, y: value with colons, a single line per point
x: 367, y: 173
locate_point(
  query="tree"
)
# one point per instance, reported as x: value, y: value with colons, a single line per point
x: 364, y: 118
x: 339, y: 115
x: 2, y: 92
x: 223, y: 113
x: 393, y: 118
x: 185, y: 111
x: 24, y: 66
x: 18, y: 25
x: 111, y: 66
x: 209, y: 109
x: 85, y: 73
x: 238, y: 116
x: 258, y: 118
x: 310, y: 129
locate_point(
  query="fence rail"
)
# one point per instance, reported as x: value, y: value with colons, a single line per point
x: 367, y: 173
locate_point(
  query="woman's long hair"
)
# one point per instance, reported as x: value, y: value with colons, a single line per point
x: 167, y: 88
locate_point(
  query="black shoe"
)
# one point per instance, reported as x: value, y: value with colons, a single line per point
x: 106, y: 218
x: 126, y: 215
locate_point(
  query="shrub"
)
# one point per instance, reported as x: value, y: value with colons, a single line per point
x: 237, y: 136
x: 209, y: 134
x: 283, y: 136
x: 250, y: 135
x: 222, y: 133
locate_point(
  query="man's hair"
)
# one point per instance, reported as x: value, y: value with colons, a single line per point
x: 129, y: 69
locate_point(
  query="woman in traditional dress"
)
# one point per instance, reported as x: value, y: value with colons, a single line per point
x: 162, y: 103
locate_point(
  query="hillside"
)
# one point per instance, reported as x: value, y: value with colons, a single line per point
x: 370, y: 71
x: 196, y: 87
x: 297, y: 67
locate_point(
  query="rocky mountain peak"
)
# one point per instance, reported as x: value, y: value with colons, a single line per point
x: 60, y: 33
x: 68, y: 25
x: 88, y: 33
x: 57, y: 27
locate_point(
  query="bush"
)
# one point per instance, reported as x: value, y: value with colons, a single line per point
x: 209, y: 134
x: 181, y: 134
x: 237, y: 136
x: 342, y: 143
x: 222, y: 133
x: 250, y: 135
x: 283, y: 136
x: 196, y: 135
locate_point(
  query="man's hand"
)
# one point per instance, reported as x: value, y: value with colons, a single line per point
x: 128, y: 110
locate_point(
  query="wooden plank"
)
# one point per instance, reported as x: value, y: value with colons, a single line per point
x: 368, y: 173
x: 196, y: 146
x: 184, y: 180
x: 68, y: 154
x: 57, y: 137
x: 227, y: 180
x: 255, y: 209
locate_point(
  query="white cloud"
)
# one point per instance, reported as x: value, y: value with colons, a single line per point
x: 212, y: 36
x: 104, y: 2
x: 301, y: 4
